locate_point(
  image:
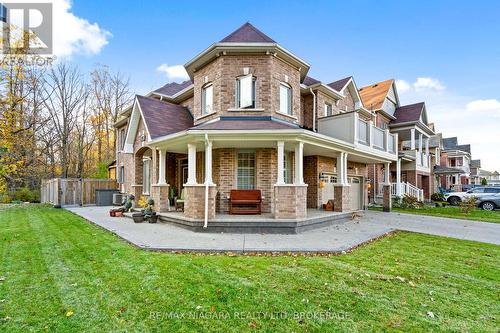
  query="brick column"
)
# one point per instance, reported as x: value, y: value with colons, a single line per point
x: 290, y: 201
x: 194, y: 204
x: 159, y: 193
x: 387, y: 198
x: 341, y: 198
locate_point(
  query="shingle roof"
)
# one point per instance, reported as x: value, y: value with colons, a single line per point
x: 373, y: 96
x: 438, y: 169
x: 475, y: 163
x: 246, y: 123
x: 164, y: 118
x: 450, y: 143
x: 173, y: 88
x: 340, y: 84
x: 309, y: 81
x: 247, y: 33
x: 465, y: 148
x: 408, y: 113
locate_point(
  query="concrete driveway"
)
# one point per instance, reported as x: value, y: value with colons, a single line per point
x: 337, y: 238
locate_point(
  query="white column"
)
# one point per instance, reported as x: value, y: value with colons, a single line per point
x: 427, y: 147
x: 161, y: 172
x: 420, y: 143
x: 387, y: 173
x: 398, y: 178
x: 342, y: 169
x: 412, y: 142
x: 191, y: 164
x: 208, y: 163
x: 281, y: 162
x: 369, y: 136
x: 386, y: 139
x: 299, y: 163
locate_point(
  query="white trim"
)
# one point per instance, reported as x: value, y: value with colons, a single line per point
x: 247, y: 110
x: 206, y: 115
x: 287, y: 115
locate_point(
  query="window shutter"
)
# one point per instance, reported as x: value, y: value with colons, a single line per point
x: 246, y: 91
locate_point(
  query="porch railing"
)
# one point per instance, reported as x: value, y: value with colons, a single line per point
x: 405, y: 189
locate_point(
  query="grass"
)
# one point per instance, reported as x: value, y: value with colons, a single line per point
x: 59, y: 273
x: 450, y: 211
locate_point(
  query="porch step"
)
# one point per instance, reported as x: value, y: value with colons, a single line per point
x: 263, y: 226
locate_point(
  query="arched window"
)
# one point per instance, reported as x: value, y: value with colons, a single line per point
x: 207, y: 98
x: 285, y: 99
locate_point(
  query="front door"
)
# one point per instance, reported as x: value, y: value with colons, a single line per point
x: 356, y: 193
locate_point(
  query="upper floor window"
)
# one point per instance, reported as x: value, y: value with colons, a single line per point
x: 285, y: 99
x: 245, y: 92
x: 207, y: 99
x: 121, y: 138
x: 328, y: 109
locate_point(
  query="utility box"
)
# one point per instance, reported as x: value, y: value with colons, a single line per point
x: 104, y: 197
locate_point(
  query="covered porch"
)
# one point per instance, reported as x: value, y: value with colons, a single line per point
x: 288, y: 168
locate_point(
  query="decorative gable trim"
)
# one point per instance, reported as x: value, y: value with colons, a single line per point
x: 135, y: 118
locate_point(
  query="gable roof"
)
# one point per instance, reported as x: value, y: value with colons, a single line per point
x: 163, y: 118
x: 408, y: 113
x: 170, y: 89
x: 339, y: 84
x: 465, y: 148
x: 247, y: 33
x: 309, y: 81
x: 373, y: 96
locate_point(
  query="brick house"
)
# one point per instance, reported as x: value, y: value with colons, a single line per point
x: 454, y: 169
x: 417, y: 142
x: 251, y: 118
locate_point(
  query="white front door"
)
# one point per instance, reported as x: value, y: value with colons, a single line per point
x: 356, y: 192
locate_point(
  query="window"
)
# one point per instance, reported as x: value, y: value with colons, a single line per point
x: 121, y: 175
x: 328, y: 109
x: 245, y: 92
x: 246, y: 170
x: 287, y: 168
x: 478, y: 190
x: 491, y: 190
x: 285, y: 99
x: 207, y: 99
x: 146, y: 171
x: 121, y: 139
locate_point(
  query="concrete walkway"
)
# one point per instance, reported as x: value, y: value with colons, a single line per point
x: 337, y: 238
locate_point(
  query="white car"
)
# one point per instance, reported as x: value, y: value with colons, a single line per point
x: 454, y: 198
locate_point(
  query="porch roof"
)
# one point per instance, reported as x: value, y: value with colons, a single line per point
x: 446, y: 170
x: 246, y: 123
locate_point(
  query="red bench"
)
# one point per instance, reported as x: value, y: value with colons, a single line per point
x: 245, y: 202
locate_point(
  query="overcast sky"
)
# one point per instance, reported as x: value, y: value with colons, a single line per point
x: 446, y: 53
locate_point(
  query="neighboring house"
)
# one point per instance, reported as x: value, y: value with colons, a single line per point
x: 475, y: 172
x: 251, y: 118
x: 492, y: 178
x: 412, y: 174
x: 455, y: 167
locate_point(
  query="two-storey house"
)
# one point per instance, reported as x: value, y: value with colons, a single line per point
x: 249, y: 117
x: 454, y: 169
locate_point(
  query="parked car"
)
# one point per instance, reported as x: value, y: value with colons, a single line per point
x: 454, y: 198
x: 489, y: 202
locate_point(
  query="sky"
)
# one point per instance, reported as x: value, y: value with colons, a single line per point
x: 445, y: 53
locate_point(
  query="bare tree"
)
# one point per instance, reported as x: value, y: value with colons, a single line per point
x: 66, y: 93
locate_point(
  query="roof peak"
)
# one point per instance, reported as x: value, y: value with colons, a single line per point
x: 247, y: 33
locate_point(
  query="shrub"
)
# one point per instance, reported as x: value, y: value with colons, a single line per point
x: 467, y: 205
x: 25, y: 195
x: 5, y: 198
x: 484, y: 181
x: 143, y: 202
x: 437, y: 196
x: 410, y: 201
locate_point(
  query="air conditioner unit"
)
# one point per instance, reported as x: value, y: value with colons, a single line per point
x: 117, y: 199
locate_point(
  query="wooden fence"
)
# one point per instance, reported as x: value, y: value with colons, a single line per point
x: 73, y: 191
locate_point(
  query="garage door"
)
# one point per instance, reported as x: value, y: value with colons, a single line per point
x: 356, y: 193
x: 356, y: 190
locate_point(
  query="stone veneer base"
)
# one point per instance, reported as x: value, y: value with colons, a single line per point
x: 290, y: 201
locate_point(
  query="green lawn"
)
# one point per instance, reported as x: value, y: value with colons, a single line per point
x: 59, y: 273
x: 450, y: 211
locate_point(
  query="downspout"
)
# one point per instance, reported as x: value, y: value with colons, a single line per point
x: 314, y: 109
x: 205, y: 224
